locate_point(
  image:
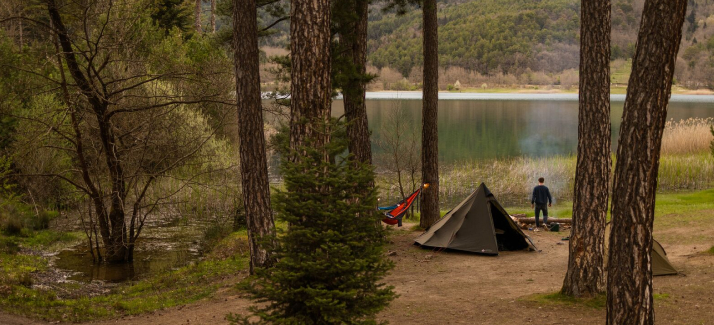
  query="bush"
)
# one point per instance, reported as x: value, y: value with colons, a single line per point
x: 213, y: 234
x: 13, y: 225
x: 41, y: 221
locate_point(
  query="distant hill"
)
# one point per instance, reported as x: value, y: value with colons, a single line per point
x: 526, y: 42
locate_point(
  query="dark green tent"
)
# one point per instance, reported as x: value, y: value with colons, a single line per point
x: 479, y: 224
x: 660, y: 262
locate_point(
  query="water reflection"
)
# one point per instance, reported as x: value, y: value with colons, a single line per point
x: 165, y: 245
x: 146, y: 262
x: 484, y: 129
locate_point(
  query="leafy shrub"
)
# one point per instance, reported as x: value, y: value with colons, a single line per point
x: 12, y: 225
x: 41, y: 221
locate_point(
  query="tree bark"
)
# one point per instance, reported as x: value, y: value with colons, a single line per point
x: 585, y: 276
x: 197, y: 16
x: 253, y: 162
x: 354, y: 92
x: 310, y: 87
x: 213, y: 16
x: 629, y: 289
x: 430, y: 136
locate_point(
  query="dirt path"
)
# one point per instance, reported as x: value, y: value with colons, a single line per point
x: 458, y: 288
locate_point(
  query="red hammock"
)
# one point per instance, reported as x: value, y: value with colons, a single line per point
x: 394, y: 216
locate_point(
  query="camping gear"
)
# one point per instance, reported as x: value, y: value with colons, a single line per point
x: 660, y: 262
x: 478, y: 224
x: 554, y: 227
x: 394, y: 216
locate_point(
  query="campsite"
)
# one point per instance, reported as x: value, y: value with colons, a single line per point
x: 329, y: 162
x: 451, y: 287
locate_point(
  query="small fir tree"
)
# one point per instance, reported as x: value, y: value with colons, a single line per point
x: 330, y: 257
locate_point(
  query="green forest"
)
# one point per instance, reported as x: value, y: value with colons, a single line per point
x: 510, y: 37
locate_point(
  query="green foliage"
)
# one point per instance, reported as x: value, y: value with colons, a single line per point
x: 330, y: 258
x: 9, y: 245
x: 484, y: 36
x: 169, y: 14
x: 182, y: 286
x: 710, y: 251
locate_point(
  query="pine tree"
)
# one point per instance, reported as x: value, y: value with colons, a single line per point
x: 586, y: 273
x: 629, y: 269
x: 253, y: 162
x: 330, y: 258
x: 430, y: 108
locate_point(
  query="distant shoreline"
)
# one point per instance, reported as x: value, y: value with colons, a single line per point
x: 679, y: 95
x: 417, y: 95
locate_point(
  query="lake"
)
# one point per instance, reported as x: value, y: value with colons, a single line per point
x: 484, y: 126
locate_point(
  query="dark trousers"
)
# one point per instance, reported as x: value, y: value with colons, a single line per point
x: 538, y: 209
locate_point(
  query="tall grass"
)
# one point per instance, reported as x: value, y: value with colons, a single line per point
x: 685, y: 164
x: 511, y: 180
x: 688, y: 136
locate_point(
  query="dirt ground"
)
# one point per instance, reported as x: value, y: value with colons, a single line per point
x: 459, y: 288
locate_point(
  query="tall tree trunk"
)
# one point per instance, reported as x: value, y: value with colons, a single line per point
x: 253, y: 162
x: 197, y: 16
x: 213, y: 16
x: 585, y: 275
x: 629, y: 288
x: 310, y: 87
x: 429, y: 134
x: 354, y: 92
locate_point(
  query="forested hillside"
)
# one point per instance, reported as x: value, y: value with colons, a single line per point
x: 523, y: 36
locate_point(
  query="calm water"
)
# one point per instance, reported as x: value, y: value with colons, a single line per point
x: 163, y: 246
x: 487, y: 126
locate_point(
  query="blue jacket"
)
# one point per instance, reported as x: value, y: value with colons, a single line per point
x: 540, y: 195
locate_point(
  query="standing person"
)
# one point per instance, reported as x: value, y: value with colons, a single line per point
x: 541, y: 194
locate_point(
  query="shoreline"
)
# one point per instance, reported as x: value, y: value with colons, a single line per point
x: 700, y: 96
x: 551, y: 96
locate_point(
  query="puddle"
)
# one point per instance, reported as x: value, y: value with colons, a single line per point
x: 162, y: 247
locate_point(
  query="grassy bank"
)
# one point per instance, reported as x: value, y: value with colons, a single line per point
x: 68, y: 302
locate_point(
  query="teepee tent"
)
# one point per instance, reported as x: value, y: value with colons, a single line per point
x: 660, y: 262
x: 478, y: 224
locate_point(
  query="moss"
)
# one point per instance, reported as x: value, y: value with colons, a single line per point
x: 660, y: 296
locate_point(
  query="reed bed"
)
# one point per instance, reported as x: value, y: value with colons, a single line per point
x: 686, y: 163
x: 512, y: 180
x: 686, y: 172
x: 690, y: 136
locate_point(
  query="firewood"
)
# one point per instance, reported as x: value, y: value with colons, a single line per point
x: 550, y: 220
